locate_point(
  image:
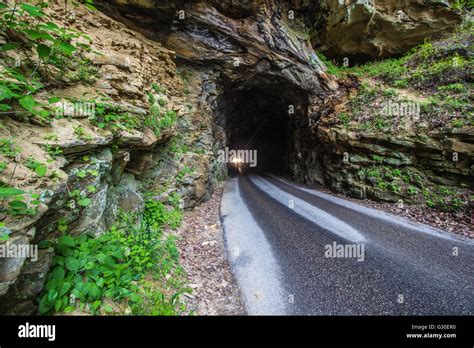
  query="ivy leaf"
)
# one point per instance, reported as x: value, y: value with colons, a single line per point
x: 32, y: 10
x: 108, y: 309
x: 64, y: 288
x: 90, y: 6
x: 28, y: 102
x: 44, y: 305
x: 134, y: 297
x: 84, y: 202
x: 6, y: 93
x: 18, y: 205
x: 44, y: 113
x: 43, y: 51
x: 58, y: 305
x: 72, y: 264
x: 9, y: 192
x: 58, y: 273
x: 93, y: 290
x: 5, y: 107
x: 36, y: 34
x: 65, y: 47
x: 52, y: 26
x: 66, y: 240
x: 52, y: 295
x: 8, y: 47
x: 53, y: 100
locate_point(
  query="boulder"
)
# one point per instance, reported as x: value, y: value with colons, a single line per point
x: 381, y: 28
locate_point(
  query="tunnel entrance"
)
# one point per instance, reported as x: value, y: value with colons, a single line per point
x: 260, y: 115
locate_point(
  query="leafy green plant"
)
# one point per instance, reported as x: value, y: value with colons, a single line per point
x: 4, y: 233
x: 8, y: 148
x: 53, y: 151
x: 39, y: 168
x: 443, y: 198
x: 182, y: 174
x: 113, y: 117
x: 378, y: 159
x: 53, y: 49
x: 394, y: 187
x: 88, y: 273
x: 156, y: 119
x: 332, y: 68
x: 461, y: 4
x: 344, y: 118
x: 412, y: 191
x: 3, y: 166
x: 79, y: 131
x: 20, y: 203
x: 157, y: 88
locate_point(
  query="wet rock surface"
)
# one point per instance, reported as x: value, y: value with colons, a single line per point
x: 203, y: 61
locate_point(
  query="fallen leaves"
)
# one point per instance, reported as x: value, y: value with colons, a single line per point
x: 203, y: 258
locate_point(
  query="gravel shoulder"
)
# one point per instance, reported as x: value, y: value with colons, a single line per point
x: 203, y: 257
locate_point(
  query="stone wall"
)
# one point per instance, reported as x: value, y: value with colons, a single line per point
x: 115, y: 169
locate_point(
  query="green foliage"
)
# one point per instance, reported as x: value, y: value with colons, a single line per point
x: 88, y: 273
x: 426, y: 66
x: 45, y: 46
x: 113, y: 117
x: 182, y: 174
x: 461, y: 5
x: 344, y: 118
x: 455, y: 87
x: 331, y: 67
x: 156, y: 119
x: 394, y: 187
x: 412, y: 191
x: 158, y: 215
x: 20, y: 203
x: 157, y: 88
x: 8, y: 148
x: 409, y: 183
x: 378, y: 159
x: 4, y: 233
x: 53, y: 151
x: 39, y: 168
x: 443, y: 198
x: 81, y: 133
x: 390, y: 70
x: 85, y: 72
x: 6, y: 192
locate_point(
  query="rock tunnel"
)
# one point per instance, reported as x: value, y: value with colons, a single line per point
x: 262, y: 83
x: 259, y: 115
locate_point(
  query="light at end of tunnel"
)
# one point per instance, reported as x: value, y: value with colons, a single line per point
x: 236, y: 160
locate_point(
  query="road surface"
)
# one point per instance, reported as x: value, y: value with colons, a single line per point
x: 297, y: 251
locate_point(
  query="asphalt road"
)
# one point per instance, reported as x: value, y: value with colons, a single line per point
x: 279, y: 236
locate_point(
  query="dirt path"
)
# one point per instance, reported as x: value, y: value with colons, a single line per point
x: 202, y: 255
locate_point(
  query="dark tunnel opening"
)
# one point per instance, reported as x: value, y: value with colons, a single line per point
x: 259, y: 118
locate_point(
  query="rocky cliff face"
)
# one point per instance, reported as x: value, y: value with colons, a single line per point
x: 375, y: 29
x: 95, y: 167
